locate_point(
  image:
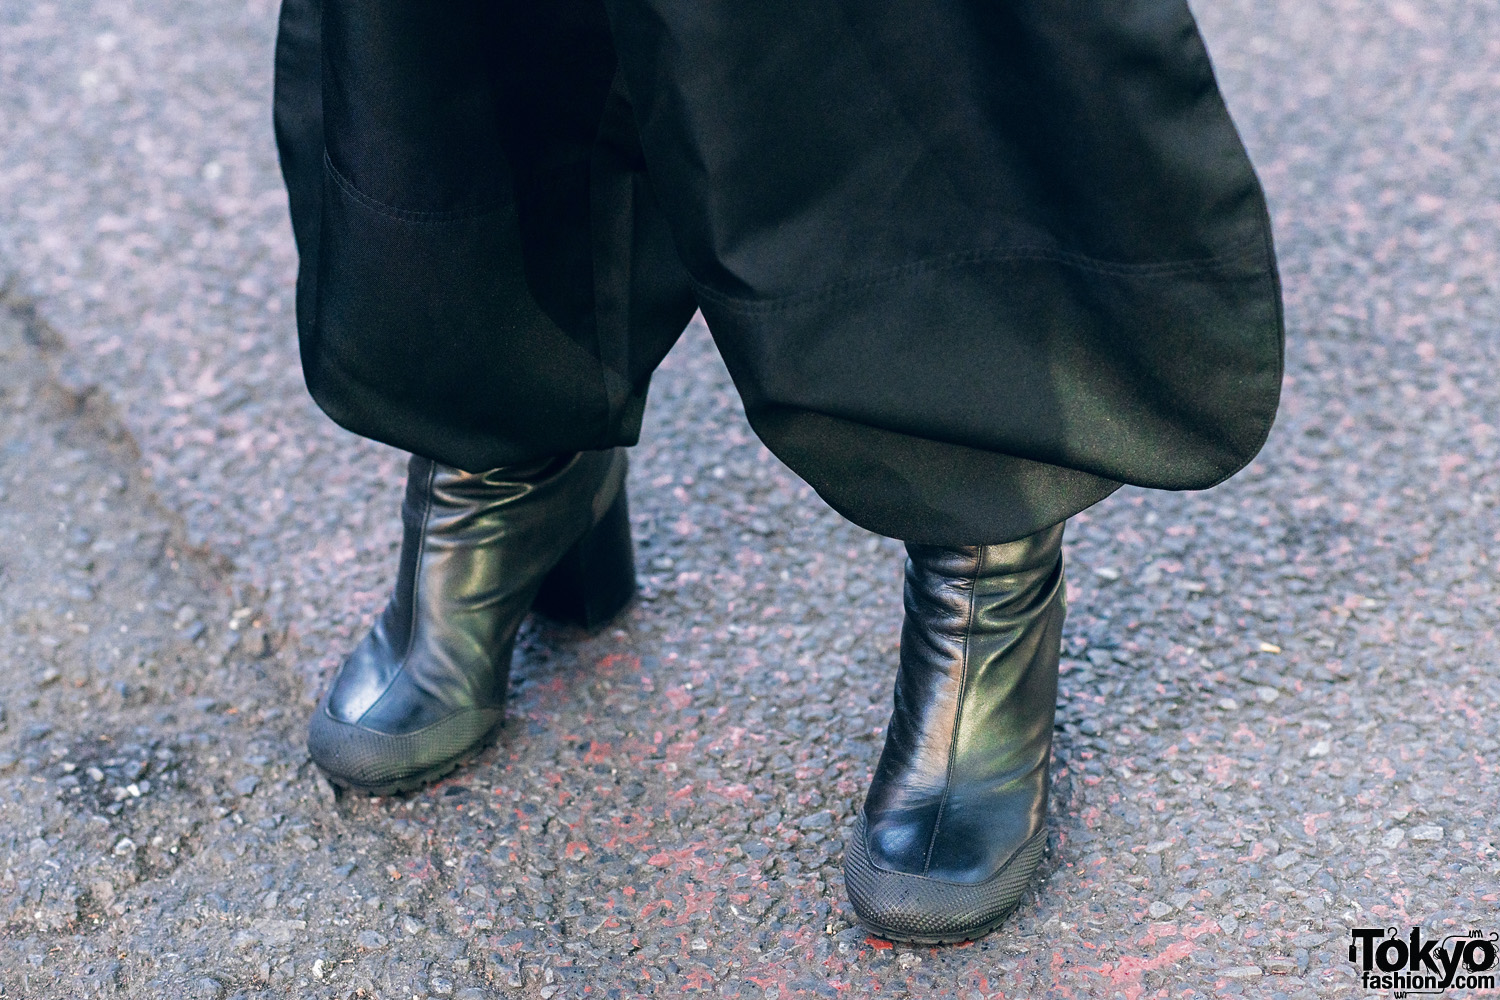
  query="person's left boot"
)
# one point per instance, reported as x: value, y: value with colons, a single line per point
x: 426, y: 686
x: 955, y: 822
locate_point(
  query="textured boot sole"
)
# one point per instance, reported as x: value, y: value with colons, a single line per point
x: 912, y: 909
x: 416, y: 781
x: 372, y: 763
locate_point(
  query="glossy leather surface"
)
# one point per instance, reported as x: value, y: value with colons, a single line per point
x: 962, y: 783
x: 475, y: 550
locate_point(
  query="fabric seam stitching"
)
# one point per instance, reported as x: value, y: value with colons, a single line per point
x: 406, y: 214
x: 838, y: 289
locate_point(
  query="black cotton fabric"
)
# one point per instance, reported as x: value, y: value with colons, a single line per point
x: 971, y: 265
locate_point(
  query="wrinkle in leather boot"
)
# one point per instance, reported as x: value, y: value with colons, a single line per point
x: 426, y: 686
x: 955, y: 822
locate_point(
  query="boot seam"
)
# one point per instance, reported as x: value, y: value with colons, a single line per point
x: 411, y: 625
x: 416, y: 577
x: 958, y: 712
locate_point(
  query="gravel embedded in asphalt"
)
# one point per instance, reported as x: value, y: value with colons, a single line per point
x: 1278, y: 715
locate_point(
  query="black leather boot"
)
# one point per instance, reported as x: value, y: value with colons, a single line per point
x: 426, y: 686
x: 955, y: 822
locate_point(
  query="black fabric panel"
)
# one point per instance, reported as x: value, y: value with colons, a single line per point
x: 428, y: 338
x: 473, y: 186
x: 1161, y: 380
x: 298, y: 117
x: 799, y: 143
x: 298, y: 113
x: 642, y: 296
x: 1027, y: 228
x: 920, y: 490
x: 971, y: 265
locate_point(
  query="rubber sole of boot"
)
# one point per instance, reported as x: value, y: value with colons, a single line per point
x: 422, y: 779
x: 1008, y: 889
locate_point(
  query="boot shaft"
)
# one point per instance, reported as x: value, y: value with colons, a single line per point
x: 962, y: 781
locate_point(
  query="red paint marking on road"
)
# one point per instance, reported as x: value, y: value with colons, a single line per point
x: 653, y: 906
x: 1154, y: 933
x: 613, y: 660
x: 1198, y: 930
x: 1220, y: 768
x: 735, y: 791
x: 420, y: 870
x: 1127, y: 972
x: 695, y: 901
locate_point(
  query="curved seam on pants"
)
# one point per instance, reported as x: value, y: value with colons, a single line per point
x: 961, y: 258
x: 407, y: 214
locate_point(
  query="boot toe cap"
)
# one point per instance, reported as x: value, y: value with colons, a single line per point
x: 922, y: 910
x: 379, y: 763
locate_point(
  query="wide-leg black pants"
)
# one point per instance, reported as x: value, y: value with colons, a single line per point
x: 971, y: 265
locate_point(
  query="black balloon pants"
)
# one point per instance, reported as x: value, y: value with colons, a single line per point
x: 970, y: 266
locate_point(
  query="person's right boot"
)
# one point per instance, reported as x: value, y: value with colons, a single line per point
x: 426, y: 686
x: 955, y: 822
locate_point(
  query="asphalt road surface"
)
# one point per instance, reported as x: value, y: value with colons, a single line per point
x: 1279, y: 703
